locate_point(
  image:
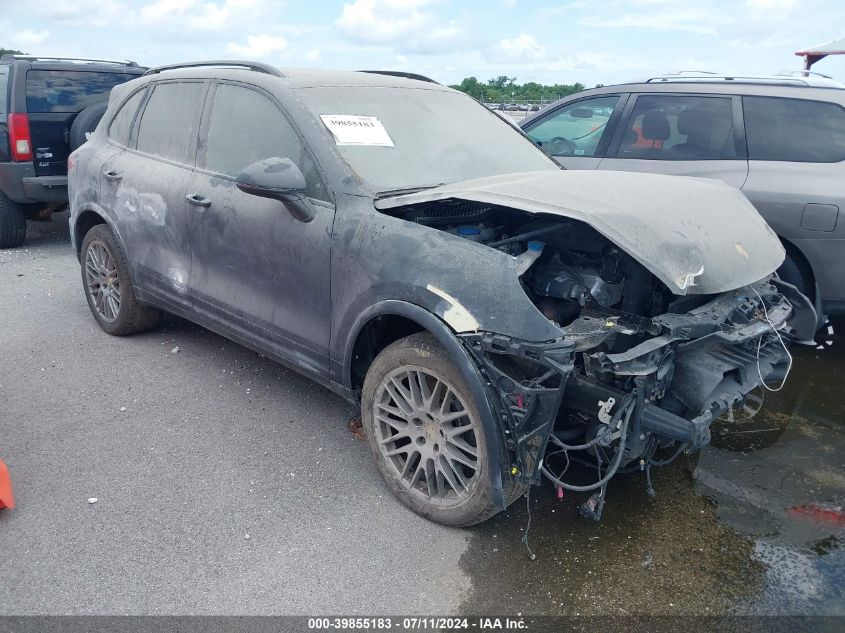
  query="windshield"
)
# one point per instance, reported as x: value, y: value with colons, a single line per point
x: 415, y: 138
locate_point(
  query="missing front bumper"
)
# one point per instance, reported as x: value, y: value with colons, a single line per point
x: 697, y: 366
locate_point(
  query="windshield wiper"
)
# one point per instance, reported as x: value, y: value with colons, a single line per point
x: 399, y: 192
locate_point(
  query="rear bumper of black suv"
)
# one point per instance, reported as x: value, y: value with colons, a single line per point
x: 19, y: 182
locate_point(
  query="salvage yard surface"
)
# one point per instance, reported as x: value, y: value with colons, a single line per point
x: 226, y: 484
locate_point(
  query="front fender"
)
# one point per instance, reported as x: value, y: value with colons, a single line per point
x: 479, y: 389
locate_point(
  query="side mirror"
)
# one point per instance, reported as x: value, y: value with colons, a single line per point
x: 279, y: 179
x: 582, y: 113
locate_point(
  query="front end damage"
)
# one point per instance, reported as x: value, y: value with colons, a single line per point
x: 662, y: 326
x: 575, y: 401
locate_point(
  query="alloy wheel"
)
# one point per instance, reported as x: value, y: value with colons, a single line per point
x: 102, y: 281
x: 425, y: 431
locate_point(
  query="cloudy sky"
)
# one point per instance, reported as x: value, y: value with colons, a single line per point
x: 597, y: 41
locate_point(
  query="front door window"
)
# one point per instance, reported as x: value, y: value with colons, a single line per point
x: 575, y: 129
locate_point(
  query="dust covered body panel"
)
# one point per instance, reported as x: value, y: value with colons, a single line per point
x: 601, y: 317
x: 697, y: 236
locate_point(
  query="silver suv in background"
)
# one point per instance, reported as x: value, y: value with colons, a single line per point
x: 780, y: 139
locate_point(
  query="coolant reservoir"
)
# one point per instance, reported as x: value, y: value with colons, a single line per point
x: 530, y: 256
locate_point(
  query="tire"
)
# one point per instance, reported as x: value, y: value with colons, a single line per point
x: 85, y: 123
x: 795, y: 271
x: 450, y: 482
x: 12, y: 223
x: 105, y: 275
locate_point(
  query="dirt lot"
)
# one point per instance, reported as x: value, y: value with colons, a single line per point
x: 227, y: 484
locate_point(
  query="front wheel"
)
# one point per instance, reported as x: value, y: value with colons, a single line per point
x: 108, y: 289
x: 424, y: 430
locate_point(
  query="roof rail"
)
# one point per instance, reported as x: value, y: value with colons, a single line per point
x: 799, y: 79
x: 804, y: 73
x: 399, y: 73
x: 258, y: 67
x: 39, y: 58
x: 699, y: 76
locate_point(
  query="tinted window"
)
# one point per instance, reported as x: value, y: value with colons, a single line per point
x: 794, y: 130
x: 245, y: 126
x: 168, y: 124
x: 121, y: 125
x: 4, y: 88
x: 68, y: 91
x: 576, y: 128
x: 679, y: 127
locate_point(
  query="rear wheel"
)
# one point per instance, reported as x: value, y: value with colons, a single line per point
x: 425, y: 432
x: 12, y: 223
x: 108, y: 289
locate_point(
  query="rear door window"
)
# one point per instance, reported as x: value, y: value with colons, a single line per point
x: 795, y: 130
x: 576, y: 128
x: 168, y: 125
x: 679, y: 127
x: 68, y: 91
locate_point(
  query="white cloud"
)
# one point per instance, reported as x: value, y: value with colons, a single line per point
x: 29, y: 37
x: 195, y: 14
x: 772, y: 5
x: 399, y: 23
x: 163, y: 11
x: 771, y: 10
x: 522, y: 48
x: 97, y: 13
x: 258, y: 46
x: 690, y: 20
x: 313, y: 56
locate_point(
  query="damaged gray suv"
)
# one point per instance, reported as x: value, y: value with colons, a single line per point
x: 496, y: 316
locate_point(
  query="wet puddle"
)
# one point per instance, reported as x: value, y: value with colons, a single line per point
x: 760, y: 530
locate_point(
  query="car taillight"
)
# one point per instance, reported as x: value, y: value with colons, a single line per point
x: 19, y: 138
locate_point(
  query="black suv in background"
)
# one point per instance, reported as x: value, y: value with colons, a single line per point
x: 48, y: 106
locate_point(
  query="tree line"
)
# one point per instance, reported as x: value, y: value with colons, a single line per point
x: 504, y: 89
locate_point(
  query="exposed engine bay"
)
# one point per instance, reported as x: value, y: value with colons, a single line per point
x: 639, y: 372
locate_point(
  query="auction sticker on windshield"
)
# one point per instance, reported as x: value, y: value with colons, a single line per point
x: 349, y: 129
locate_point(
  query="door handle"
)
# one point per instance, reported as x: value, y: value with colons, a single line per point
x: 197, y: 200
x: 113, y: 175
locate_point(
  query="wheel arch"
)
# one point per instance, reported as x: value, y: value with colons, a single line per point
x: 795, y: 252
x: 87, y: 219
x: 391, y: 320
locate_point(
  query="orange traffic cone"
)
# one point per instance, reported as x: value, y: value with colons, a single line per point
x: 7, y: 499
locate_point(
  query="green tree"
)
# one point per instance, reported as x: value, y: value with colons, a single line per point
x: 10, y: 51
x: 502, y: 82
x: 505, y: 89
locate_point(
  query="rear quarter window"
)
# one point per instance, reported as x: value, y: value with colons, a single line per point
x: 121, y: 126
x: 4, y: 91
x: 68, y: 91
x: 794, y: 130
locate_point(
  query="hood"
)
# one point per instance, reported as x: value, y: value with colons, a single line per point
x: 697, y: 236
